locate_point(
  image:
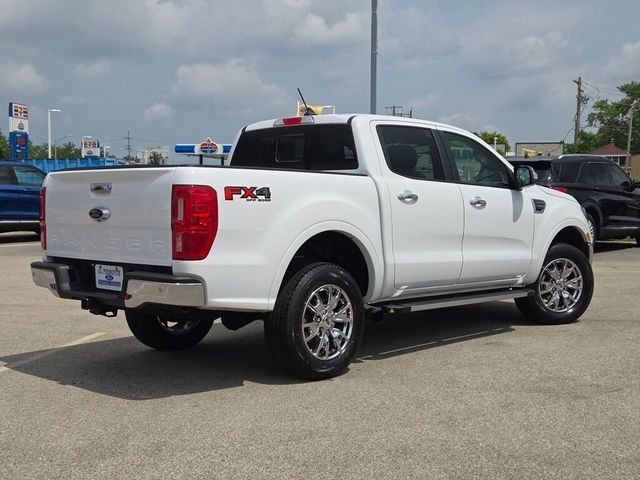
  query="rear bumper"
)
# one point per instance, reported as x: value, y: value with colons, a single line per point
x: 139, y: 288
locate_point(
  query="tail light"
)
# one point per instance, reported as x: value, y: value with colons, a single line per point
x: 194, y: 221
x: 42, y: 218
x: 560, y: 189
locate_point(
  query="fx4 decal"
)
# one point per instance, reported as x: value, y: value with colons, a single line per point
x: 250, y: 194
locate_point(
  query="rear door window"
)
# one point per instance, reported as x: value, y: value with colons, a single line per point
x: 568, y: 172
x: 411, y: 152
x: 298, y: 147
x: 28, y: 176
x: 6, y: 176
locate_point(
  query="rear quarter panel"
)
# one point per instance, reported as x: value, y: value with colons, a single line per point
x: 257, y: 239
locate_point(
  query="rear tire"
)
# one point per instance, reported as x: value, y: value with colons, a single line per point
x: 317, y: 324
x: 164, y: 332
x: 563, y: 290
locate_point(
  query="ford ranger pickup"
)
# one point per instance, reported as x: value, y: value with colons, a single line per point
x: 316, y: 223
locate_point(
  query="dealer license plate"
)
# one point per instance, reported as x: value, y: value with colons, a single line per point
x: 109, y: 277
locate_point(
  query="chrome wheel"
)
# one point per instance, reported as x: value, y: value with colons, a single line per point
x: 327, y: 322
x: 592, y: 228
x: 560, y: 285
x: 173, y: 327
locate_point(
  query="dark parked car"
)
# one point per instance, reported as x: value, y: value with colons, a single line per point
x: 609, y: 197
x: 19, y: 196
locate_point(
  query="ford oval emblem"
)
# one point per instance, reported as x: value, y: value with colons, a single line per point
x: 100, y: 214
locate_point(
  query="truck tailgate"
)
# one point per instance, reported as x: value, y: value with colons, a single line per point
x: 137, y: 202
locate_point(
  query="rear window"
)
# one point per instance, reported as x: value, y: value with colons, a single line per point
x: 297, y: 147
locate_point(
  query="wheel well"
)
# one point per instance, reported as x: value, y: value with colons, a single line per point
x: 333, y: 247
x: 593, y: 211
x: 572, y: 236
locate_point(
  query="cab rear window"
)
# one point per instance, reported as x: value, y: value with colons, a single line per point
x: 297, y: 147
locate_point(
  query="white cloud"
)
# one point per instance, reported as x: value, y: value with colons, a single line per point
x: 234, y: 83
x: 96, y: 69
x: 21, y: 77
x: 626, y: 63
x: 158, y: 111
x: 458, y: 119
x: 297, y: 4
x: 314, y: 29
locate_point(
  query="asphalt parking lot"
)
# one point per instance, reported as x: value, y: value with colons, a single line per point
x: 473, y: 392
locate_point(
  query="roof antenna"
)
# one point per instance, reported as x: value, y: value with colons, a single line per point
x: 307, y: 111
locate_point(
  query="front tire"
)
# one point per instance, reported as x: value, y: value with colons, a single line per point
x: 164, y: 332
x: 563, y: 290
x: 317, y: 324
x: 593, y: 227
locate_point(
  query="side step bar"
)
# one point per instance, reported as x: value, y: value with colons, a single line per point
x: 429, y: 303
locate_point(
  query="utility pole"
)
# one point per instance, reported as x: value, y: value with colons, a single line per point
x: 374, y: 53
x: 628, y: 160
x: 581, y: 99
x: 128, y: 138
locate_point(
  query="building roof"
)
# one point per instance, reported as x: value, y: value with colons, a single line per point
x: 609, y: 150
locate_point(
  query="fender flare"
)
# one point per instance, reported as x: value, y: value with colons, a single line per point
x: 366, y: 246
x: 536, y: 263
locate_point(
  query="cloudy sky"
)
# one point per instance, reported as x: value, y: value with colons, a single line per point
x: 177, y: 71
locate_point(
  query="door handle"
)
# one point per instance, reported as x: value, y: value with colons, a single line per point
x: 408, y: 197
x: 478, y: 202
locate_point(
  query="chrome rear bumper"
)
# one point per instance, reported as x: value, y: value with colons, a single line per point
x: 140, y: 288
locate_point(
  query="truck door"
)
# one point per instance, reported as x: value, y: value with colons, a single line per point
x: 9, y: 195
x: 498, y: 230
x: 426, y: 210
x: 30, y: 181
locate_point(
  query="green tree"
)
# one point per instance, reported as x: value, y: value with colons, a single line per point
x: 68, y: 150
x: 500, y: 139
x: 38, y: 151
x: 612, y: 118
x: 4, y: 146
x: 156, y: 158
x: 587, y: 142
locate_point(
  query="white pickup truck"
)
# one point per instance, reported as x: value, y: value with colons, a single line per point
x: 317, y: 222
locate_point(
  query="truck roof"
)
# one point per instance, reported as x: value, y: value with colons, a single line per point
x: 348, y: 117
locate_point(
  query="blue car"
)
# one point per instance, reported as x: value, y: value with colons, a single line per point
x: 19, y: 196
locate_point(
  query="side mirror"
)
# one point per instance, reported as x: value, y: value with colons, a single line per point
x: 525, y: 175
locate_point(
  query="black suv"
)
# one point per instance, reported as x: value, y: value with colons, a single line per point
x: 609, y: 197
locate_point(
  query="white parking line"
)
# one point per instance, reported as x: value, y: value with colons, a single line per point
x: 4, y: 245
x: 51, y: 351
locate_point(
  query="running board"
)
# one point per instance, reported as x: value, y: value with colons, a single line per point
x: 429, y: 303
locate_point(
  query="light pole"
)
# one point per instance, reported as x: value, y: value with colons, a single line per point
x: 49, y: 125
x: 374, y: 55
x: 628, y: 158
